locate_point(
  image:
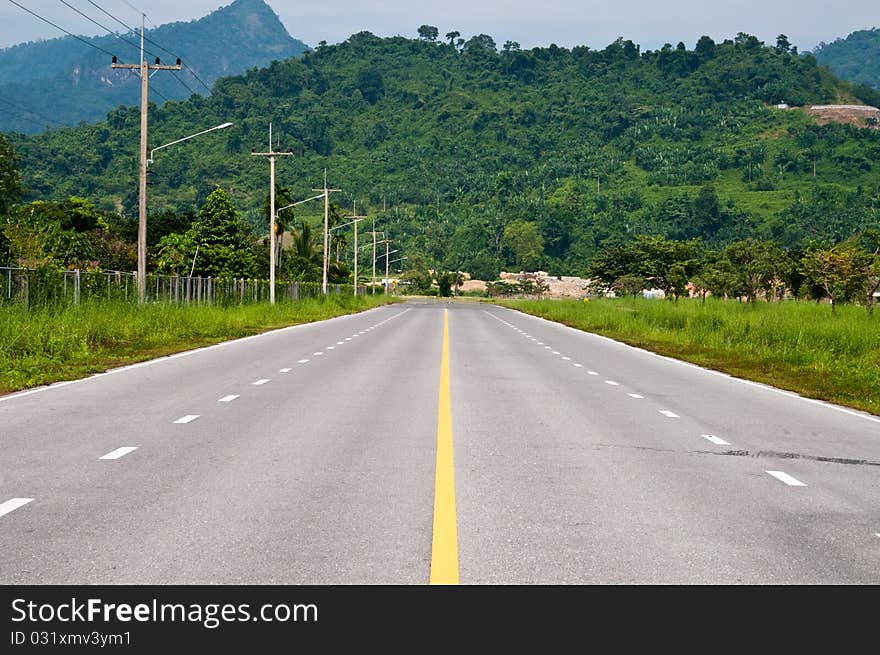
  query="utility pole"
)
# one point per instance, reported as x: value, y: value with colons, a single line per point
x: 327, y: 193
x: 144, y: 71
x: 387, y: 245
x: 356, y: 219
x: 271, y: 155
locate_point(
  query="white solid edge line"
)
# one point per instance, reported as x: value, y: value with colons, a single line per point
x: 260, y: 382
x: 786, y: 478
x: 718, y: 441
x: 228, y: 399
x: 119, y: 452
x: 790, y: 394
x: 188, y: 353
x: 668, y: 414
x: 187, y: 419
x: 13, y: 504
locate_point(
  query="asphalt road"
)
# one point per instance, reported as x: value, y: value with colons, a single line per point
x: 318, y: 454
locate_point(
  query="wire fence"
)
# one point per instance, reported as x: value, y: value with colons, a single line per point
x: 43, y: 287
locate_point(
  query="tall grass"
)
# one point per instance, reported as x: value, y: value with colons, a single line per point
x: 46, y: 345
x: 794, y: 345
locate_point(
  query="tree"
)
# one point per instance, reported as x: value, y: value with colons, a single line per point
x: 428, y: 33
x: 665, y: 264
x: 223, y: 239
x: 756, y: 266
x: 783, y: 44
x: 524, y: 239
x: 840, y: 271
x: 10, y: 178
x: 371, y: 84
x: 480, y: 43
x: 452, y: 36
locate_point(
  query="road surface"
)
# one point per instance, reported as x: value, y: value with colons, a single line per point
x: 433, y: 442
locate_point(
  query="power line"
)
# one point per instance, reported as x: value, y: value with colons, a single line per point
x: 21, y: 116
x: 105, y: 28
x: 78, y: 38
x: 30, y: 111
x: 155, y: 43
x: 121, y: 38
x: 191, y: 71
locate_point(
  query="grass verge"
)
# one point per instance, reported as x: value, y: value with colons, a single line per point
x: 42, y: 346
x: 798, y: 346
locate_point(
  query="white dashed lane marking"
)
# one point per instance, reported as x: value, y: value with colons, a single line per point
x: 228, y: 399
x: 348, y: 338
x: 612, y: 383
x: 189, y: 418
x: 302, y: 361
x: 578, y: 365
x: 669, y: 414
x: 592, y: 373
x: 718, y: 441
x: 318, y: 354
x: 340, y: 343
x: 786, y: 478
x: 119, y: 452
x: 556, y: 352
x: 13, y: 504
x: 285, y: 370
x: 260, y: 382
x: 636, y: 396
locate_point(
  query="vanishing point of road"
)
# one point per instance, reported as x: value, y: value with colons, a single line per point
x: 433, y: 442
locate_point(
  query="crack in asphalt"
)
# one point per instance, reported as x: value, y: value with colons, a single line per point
x: 769, y: 454
x: 813, y: 458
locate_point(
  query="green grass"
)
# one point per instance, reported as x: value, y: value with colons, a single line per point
x: 41, y: 346
x: 798, y: 346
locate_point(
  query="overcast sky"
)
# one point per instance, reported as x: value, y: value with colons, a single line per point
x: 567, y: 23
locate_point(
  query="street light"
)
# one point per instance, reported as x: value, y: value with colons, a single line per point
x: 293, y: 204
x: 142, y: 221
x: 187, y: 138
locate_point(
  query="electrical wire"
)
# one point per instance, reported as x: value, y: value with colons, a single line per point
x: 24, y: 110
x: 78, y: 38
x: 153, y: 42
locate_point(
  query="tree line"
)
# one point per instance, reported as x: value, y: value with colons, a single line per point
x: 746, y: 270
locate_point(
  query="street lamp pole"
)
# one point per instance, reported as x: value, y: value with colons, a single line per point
x: 356, y: 219
x: 326, y: 265
x: 271, y: 154
x: 142, y: 225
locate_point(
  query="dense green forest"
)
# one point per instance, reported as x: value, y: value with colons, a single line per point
x: 476, y: 157
x: 855, y: 58
x: 73, y: 82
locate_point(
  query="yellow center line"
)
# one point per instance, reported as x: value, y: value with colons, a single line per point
x: 444, y: 545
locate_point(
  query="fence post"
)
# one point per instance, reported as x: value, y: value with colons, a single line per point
x: 76, y: 287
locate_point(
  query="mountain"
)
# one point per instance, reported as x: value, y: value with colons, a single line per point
x: 460, y: 140
x: 63, y: 81
x: 855, y: 58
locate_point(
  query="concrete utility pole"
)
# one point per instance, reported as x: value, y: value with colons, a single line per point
x: 144, y: 71
x: 327, y: 193
x: 387, y: 244
x: 271, y: 155
x: 355, y: 219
